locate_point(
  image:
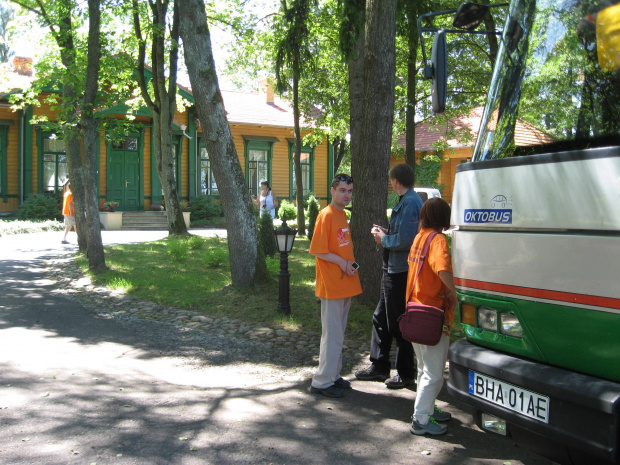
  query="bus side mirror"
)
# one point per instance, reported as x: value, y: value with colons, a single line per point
x: 439, y: 84
x: 469, y: 16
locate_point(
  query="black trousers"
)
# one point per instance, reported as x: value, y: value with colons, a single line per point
x: 392, y: 304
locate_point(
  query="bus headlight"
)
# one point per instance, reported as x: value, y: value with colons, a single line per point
x: 487, y: 318
x: 510, y: 325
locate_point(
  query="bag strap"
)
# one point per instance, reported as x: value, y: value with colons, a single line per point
x: 427, y: 245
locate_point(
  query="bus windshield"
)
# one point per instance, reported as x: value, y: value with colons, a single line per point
x: 556, y: 83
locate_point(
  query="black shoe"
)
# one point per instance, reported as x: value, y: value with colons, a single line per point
x: 64, y: 242
x: 396, y: 382
x: 342, y: 383
x: 372, y: 373
x: 331, y: 391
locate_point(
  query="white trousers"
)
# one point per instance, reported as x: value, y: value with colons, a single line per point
x: 431, y: 365
x: 334, y: 314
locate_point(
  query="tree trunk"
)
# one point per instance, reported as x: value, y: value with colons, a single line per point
x: 299, y: 182
x: 90, y: 133
x: 247, y: 262
x: 69, y: 111
x: 76, y: 172
x: 412, y: 72
x: 356, y: 96
x: 165, y: 170
x: 370, y: 165
x: 163, y: 104
x: 340, y: 145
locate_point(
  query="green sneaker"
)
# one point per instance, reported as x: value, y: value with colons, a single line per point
x: 440, y: 415
x: 432, y: 427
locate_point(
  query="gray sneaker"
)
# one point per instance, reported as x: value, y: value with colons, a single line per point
x: 432, y: 427
x: 440, y: 415
x: 396, y: 382
x: 372, y: 373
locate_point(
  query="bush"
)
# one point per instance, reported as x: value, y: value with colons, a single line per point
x: 287, y: 210
x: 392, y: 200
x: 177, y: 249
x: 313, y: 211
x: 307, y: 197
x: 41, y: 207
x: 204, y: 207
x: 265, y: 234
x: 216, y: 257
x: 196, y: 242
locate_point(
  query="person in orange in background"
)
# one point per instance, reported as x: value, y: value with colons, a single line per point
x: 68, y: 210
x: 336, y: 282
x: 434, y: 286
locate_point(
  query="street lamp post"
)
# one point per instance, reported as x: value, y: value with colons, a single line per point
x: 285, y: 237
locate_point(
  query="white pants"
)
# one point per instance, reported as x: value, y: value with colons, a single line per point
x: 334, y: 313
x: 431, y: 365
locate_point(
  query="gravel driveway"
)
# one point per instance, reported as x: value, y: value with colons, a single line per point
x: 81, y: 384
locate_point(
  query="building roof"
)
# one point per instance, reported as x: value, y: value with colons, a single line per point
x: 17, y: 77
x: 426, y: 134
x: 260, y: 109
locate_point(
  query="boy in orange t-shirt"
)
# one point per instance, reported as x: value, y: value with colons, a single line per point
x: 336, y: 282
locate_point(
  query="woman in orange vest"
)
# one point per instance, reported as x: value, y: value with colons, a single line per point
x: 68, y: 210
x: 434, y: 287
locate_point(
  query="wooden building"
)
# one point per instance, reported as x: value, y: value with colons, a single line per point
x: 33, y: 160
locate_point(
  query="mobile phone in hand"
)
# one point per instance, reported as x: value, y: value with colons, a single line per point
x: 355, y: 265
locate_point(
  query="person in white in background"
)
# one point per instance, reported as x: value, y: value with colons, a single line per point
x: 267, y: 200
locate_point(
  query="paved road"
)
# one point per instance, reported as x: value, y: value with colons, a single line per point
x: 80, y: 387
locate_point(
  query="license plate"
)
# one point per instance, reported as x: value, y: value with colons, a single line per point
x: 509, y: 396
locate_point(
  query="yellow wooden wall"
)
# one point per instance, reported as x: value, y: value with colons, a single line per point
x: 280, y: 161
x: 280, y: 165
x: 12, y: 162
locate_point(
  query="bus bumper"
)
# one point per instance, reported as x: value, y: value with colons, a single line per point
x: 574, y: 419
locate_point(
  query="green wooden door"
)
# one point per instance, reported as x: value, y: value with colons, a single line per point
x: 124, y: 174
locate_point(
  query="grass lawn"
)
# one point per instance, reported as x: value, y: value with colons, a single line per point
x: 194, y: 274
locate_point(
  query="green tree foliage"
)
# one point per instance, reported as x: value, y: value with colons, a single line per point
x: 294, y: 57
x: 427, y: 171
x: 313, y: 212
x: 74, y: 71
x: 265, y: 234
x: 7, y: 14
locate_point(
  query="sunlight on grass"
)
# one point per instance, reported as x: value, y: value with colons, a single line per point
x: 120, y: 284
x: 194, y: 274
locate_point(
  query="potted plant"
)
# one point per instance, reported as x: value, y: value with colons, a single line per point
x: 110, y: 206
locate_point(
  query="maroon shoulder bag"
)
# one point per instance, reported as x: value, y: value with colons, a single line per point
x: 422, y: 324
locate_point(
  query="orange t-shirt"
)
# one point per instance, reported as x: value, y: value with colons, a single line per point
x: 332, y: 235
x: 429, y: 287
x: 66, y: 200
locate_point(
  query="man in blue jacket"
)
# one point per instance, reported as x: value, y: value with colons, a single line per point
x: 396, y: 242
